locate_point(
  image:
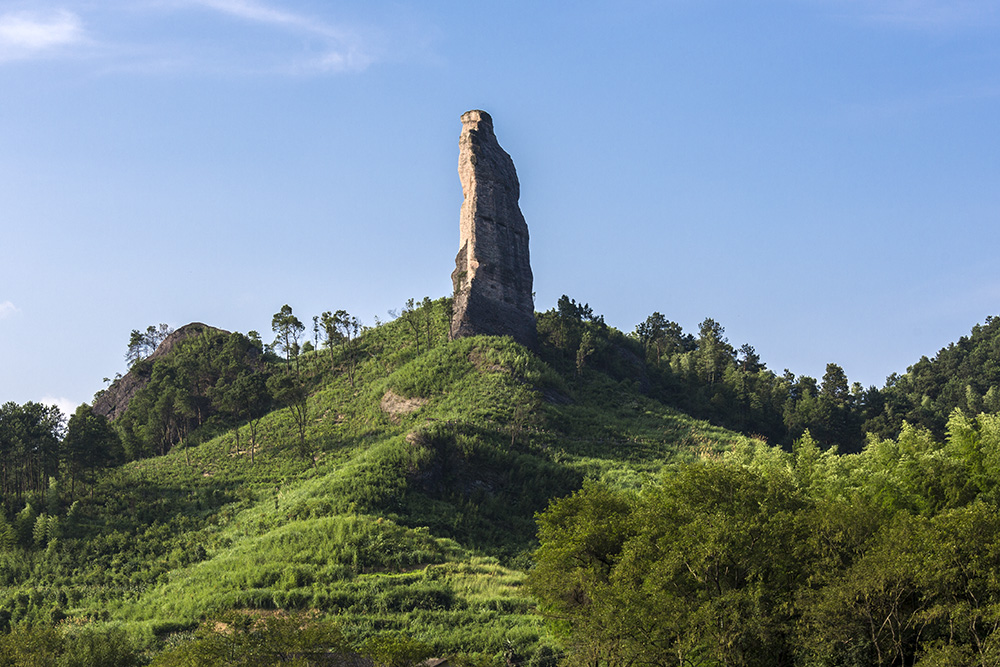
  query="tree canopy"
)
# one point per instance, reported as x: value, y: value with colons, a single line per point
x: 771, y: 558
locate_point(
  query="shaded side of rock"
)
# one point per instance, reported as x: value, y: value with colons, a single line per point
x: 492, y: 279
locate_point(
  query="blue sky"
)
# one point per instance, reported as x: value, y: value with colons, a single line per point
x: 820, y: 176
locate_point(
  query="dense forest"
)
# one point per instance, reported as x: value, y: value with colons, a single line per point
x: 707, y: 377
x: 764, y: 557
x: 651, y: 498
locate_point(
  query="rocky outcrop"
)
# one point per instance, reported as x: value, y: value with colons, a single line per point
x: 113, y: 401
x: 492, y: 278
x: 186, y: 331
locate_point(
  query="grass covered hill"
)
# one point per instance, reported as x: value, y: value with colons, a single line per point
x: 389, y: 489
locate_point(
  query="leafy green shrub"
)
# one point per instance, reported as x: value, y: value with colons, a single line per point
x: 108, y: 647
x: 394, y: 649
x: 243, y: 638
x: 164, y: 628
x: 417, y: 596
x: 31, y: 645
x: 46, y: 645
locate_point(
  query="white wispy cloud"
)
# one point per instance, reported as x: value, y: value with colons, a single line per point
x: 66, y: 405
x: 144, y: 36
x: 331, y: 47
x: 261, y: 13
x: 7, y: 309
x: 25, y: 34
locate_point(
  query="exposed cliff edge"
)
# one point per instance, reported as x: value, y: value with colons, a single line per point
x: 113, y: 401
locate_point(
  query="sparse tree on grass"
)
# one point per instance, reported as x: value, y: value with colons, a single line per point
x: 288, y: 390
x: 247, y: 399
x: 287, y: 329
x: 342, y: 329
x: 411, y: 317
x: 428, y: 310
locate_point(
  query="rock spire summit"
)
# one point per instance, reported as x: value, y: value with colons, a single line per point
x: 492, y: 277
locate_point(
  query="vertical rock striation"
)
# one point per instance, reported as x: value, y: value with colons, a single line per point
x: 492, y: 277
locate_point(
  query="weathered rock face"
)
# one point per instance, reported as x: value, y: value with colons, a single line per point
x: 492, y: 277
x: 114, y: 400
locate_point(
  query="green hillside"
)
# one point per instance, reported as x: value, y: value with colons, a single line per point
x: 394, y: 495
x: 405, y: 503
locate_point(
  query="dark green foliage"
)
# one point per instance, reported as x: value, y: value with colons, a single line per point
x: 701, y: 567
x: 45, y: 646
x: 287, y: 329
x: 29, y: 645
x: 245, y: 397
x: 187, y: 387
x: 661, y: 338
x: 708, y: 378
x: 341, y: 329
x: 574, y: 340
x: 396, y: 650
x: 245, y: 639
x: 29, y: 447
x: 91, y: 647
x: 965, y: 375
x: 91, y: 443
x: 141, y: 344
x: 768, y: 558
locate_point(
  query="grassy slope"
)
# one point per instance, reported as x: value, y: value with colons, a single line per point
x: 416, y: 521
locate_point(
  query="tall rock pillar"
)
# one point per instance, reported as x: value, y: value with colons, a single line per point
x: 492, y: 277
